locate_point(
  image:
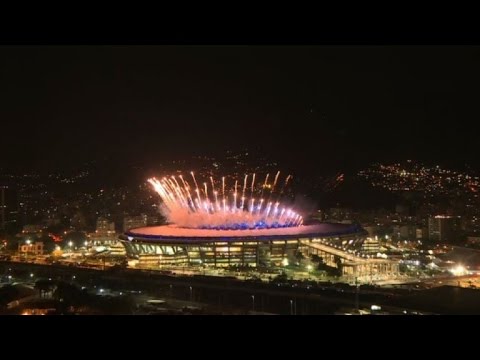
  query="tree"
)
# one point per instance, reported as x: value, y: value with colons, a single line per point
x: 44, y: 286
x: 12, y: 243
x: 48, y: 243
x: 316, y: 259
x: 68, y: 293
x: 299, y: 256
x: 78, y: 238
x: 281, y: 278
x: 338, y: 262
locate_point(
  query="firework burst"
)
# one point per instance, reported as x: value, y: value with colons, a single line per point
x: 189, y: 205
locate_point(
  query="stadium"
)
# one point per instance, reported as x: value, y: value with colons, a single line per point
x: 164, y: 246
x: 221, y: 232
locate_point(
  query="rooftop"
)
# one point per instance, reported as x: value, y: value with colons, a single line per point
x: 173, y: 231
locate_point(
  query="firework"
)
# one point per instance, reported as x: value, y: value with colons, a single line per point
x: 206, y: 211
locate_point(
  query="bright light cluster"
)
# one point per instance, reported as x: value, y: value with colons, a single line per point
x: 414, y: 176
x: 215, y: 205
x: 459, y: 270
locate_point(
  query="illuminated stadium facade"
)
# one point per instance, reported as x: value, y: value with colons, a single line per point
x: 164, y: 246
x: 220, y: 226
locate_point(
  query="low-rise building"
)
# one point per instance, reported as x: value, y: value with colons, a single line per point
x: 31, y: 248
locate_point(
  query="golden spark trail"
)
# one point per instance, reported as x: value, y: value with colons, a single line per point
x: 243, y: 192
x: 223, y: 192
x: 235, y: 196
x: 187, y: 189
x: 264, y: 185
x: 253, y: 183
x: 275, y: 182
x: 196, y: 189
x: 185, y: 209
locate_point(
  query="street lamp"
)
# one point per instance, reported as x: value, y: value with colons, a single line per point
x: 28, y: 242
x: 191, y: 294
x: 253, y: 302
x: 291, y: 307
x: 70, y: 244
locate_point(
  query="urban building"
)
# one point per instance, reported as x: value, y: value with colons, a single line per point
x: 371, y: 245
x: 444, y: 228
x: 405, y: 232
x: 339, y: 214
x: 96, y: 239
x: 340, y: 245
x: 31, y: 248
x: 104, y: 226
x: 473, y: 240
x: 117, y: 249
x: 8, y: 207
x: 32, y: 228
x: 131, y: 222
x: 421, y: 233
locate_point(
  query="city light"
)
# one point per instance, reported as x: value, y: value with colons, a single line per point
x: 166, y: 163
x: 419, y: 177
x: 459, y: 270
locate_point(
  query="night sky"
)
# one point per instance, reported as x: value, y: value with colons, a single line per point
x: 326, y: 107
